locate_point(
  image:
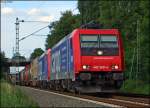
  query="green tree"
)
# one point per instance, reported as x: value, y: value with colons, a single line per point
x: 37, y: 52
x: 61, y: 28
x: 2, y: 64
x: 144, y: 40
x: 132, y: 19
x: 89, y: 10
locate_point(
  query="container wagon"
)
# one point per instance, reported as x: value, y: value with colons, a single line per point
x: 34, y: 72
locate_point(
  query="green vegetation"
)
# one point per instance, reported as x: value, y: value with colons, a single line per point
x: 132, y: 86
x: 37, y: 52
x: 2, y: 64
x: 61, y: 28
x: 12, y: 96
x: 131, y: 17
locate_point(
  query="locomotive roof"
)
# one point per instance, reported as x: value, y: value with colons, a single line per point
x: 114, y: 31
x: 61, y: 41
x: 41, y: 56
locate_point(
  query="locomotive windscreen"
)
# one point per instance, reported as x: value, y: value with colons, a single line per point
x: 99, y: 45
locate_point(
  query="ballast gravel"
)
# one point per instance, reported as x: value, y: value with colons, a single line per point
x: 47, y: 99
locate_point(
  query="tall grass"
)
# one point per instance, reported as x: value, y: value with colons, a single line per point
x: 12, y: 96
x: 133, y: 86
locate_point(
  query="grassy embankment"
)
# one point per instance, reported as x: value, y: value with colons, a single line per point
x: 139, y: 88
x: 12, y: 96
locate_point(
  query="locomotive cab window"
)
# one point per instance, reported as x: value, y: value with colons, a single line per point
x: 89, y: 41
x: 108, y: 42
x: 92, y: 44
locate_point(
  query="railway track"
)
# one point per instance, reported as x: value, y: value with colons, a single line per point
x: 124, y: 101
x: 140, y: 100
x: 119, y: 99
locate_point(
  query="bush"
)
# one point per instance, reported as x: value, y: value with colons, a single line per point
x: 12, y: 96
x: 133, y: 86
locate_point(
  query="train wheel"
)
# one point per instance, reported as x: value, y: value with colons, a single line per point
x: 50, y: 86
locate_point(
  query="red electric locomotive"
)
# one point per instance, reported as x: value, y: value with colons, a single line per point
x: 98, y: 59
x: 88, y: 60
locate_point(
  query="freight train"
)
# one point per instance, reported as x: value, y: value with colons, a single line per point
x: 86, y: 60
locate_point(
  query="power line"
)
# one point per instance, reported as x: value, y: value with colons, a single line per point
x: 39, y: 35
x: 38, y: 21
x: 34, y: 32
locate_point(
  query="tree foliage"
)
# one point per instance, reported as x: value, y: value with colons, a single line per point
x: 132, y: 19
x: 2, y: 64
x: 61, y: 28
x: 2, y: 58
x: 37, y: 52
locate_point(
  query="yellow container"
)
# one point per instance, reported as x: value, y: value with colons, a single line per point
x: 34, y: 69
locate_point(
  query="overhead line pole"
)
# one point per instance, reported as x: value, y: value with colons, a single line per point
x: 17, y: 39
x: 17, y: 43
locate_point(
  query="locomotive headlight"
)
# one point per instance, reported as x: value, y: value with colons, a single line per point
x: 84, y: 67
x: 116, y: 67
x: 99, y: 52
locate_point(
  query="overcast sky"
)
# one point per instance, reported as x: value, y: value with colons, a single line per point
x: 48, y: 11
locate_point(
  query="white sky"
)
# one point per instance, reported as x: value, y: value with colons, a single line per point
x: 29, y: 11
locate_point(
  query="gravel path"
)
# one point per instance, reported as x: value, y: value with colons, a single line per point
x: 48, y: 99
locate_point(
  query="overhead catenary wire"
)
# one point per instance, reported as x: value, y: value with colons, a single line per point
x: 39, y: 35
x: 37, y: 21
x: 34, y: 32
